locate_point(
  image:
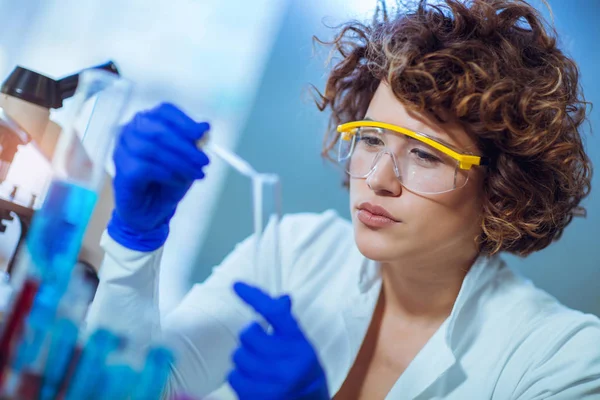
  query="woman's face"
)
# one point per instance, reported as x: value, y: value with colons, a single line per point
x: 440, y: 225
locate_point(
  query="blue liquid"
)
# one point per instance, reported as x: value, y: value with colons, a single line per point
x: 155, y: 374
x: 57, y: 230
x: 37, y: 326
x: 64, y: 339
x: 92, y: 363
x: 117, y: 382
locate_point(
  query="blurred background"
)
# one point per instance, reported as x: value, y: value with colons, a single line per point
x: 246, y: 67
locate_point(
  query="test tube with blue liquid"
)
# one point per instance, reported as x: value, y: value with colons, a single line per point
x: 91, y: 366
x: 64, y: 336
x: 26, y: 367
x: 57, y: 231
x: 51, y: 248
x: 153, y: 377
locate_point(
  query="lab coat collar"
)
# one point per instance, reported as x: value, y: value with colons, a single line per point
x: 439, y: 354
x: 431, y: 362
x: 483, y: 270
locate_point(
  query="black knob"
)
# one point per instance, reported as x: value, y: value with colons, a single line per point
x: 32, y: 87
x: 36, y: 88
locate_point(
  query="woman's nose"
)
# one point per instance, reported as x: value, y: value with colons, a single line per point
x: 384, y: 179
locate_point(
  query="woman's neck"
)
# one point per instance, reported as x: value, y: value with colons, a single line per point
x: 423, y: 290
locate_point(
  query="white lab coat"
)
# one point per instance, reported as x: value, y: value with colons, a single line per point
x: 505, y: 339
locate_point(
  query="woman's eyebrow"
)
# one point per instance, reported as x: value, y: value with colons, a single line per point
x: 428, y: 134
x: 452, y: 146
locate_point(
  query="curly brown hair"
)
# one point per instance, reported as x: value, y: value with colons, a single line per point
x: 494, y: 67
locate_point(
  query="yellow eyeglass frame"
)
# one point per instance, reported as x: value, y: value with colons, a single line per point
x: 465, y: 161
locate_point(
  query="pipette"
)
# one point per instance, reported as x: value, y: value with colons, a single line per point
x: 235, y: 161
x: 266, y: 191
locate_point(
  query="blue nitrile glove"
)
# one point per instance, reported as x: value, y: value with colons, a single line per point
x: 156, y: 162
x: 275, y: 366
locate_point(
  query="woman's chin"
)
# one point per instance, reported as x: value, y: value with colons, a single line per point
x: 376, y: 248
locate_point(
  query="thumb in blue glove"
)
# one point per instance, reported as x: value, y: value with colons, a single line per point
x: 281, y: 365
x: 156, y: 161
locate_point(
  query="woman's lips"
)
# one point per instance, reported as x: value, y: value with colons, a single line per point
x: 374, y: 220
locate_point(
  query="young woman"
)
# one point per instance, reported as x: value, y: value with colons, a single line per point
x: 458, y: 126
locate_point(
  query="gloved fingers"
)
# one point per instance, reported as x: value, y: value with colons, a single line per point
x: 248, y: 388
x: 277, y: 312
x: 180, y: 122
x: 256, y: 366
x: 282, y: 365
x: 142, y: 171
x: 261, y: 350
x: 257, y: 341
x: 153, y: 136
x: 143, y: 148
x: 132, y: 150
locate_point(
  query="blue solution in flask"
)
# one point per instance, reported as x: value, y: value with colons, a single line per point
x: 57, y: 230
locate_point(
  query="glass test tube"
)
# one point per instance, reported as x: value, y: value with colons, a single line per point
x: 266, y: 200
x: 78, y: 165
x: 267, y: 214
x: 54, y: 239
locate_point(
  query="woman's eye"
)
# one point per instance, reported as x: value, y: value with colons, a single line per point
x: 425, y: 156
x: 371, y: 141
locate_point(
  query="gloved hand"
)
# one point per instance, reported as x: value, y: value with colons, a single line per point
x: 156, y: 162
x: 275, y: 366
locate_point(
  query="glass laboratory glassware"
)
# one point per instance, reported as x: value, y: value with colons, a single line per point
x: 50, y: 251
x: 267, y: 215
x: 266, y: 200
x: 78, y: 165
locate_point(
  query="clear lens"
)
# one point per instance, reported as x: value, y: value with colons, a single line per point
x: 345, y: 146
x: 419, y: 167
